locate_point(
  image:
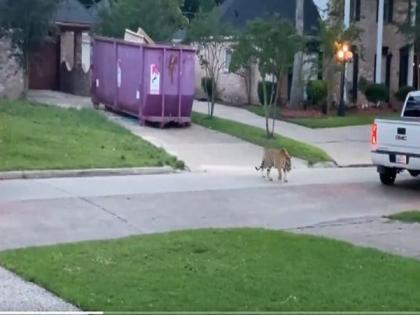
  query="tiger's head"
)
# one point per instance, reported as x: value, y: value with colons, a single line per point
x: 288, y: 164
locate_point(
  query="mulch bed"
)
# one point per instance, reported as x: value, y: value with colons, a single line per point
x: 316, y: 113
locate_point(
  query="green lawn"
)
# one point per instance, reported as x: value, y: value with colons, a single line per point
x: 329, y: 121
x: 408, y: 216
x: 335, y: 121
x: 257, y: 136
x: 259, y: 110
x: 46, y: 137
x: 222, y: 270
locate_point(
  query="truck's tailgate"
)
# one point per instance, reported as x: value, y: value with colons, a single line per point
x: 398, y: 135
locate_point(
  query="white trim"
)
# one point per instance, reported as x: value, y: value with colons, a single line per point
x: 410, y: 70
x: 379, y: 41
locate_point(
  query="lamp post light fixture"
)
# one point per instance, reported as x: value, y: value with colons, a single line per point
x: 343, y: 55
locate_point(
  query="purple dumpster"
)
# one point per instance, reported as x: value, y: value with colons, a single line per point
x: 154, y: 83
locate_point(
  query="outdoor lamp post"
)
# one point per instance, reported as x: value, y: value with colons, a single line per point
x: 343, y: 56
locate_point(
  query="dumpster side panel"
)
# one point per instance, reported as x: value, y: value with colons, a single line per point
x: 187, y: 83
x: 171, y: 81
x: 104, y: 57
x: 129, y: 78
x: 152, y: 79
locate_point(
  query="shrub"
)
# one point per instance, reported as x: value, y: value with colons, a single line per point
x: 377, y: 93
x: 401, y: 95
x: 270, y: 88
x: 207, y: 86
x: 363, y: 84
x: 317, y: 92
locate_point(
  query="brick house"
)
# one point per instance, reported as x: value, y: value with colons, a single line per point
x: 232, y: 88
x: 379, y: 20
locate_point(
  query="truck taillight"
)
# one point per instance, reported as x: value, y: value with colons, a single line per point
x: 374, y: 134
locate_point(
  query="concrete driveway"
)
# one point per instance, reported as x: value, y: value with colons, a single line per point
x: 348, y: 146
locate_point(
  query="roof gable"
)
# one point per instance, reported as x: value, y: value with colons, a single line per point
x: 72, y: 11
x: 240, y: 12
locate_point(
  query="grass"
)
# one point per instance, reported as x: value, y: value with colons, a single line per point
x: 257, y: 136
x: 259, y: 110
x: 335, y: 121
x: 408, y: 216
x: 326, y: 122
x: 222, y: 270
x: 46, y: 137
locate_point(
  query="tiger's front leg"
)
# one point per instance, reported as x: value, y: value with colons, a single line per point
x: 280, y: 173
x: 268, y: 174
x: 285, y: 177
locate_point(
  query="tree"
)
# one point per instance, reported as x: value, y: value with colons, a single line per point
x: 88, y: 3
x: 212, y: 38
x: 273, y: 44
x: 242, y: 62
x: 332, y: 30
x: 194, y: 7
x: 297, y: 90
x: 159, y: 18
x: 26, y: 24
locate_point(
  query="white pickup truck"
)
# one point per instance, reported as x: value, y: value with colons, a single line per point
x: 395, y: 143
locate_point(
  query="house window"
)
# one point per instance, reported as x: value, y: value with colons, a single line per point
x: 388, y: 10
x: 355, y: 6
x: 228, y: 59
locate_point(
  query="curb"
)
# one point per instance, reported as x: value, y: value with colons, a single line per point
x: 87, y: 172
x: 357, y: 166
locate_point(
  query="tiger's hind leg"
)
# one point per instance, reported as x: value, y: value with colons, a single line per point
x: 280, y: 174
x: 285, y: 177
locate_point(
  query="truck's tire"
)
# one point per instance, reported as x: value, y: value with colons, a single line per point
x: 414, y: 173
x: 388, y: 176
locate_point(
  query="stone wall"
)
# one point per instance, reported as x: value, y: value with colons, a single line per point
x: 11, y: 74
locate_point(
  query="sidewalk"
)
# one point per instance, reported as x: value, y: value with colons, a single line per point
x: 348, y: 146
x: 200, y: 148
x: 18, y: 295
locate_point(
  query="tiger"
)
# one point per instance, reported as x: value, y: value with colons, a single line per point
x: 277, y: 158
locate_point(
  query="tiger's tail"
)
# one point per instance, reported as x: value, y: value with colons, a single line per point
x: 261, y: 166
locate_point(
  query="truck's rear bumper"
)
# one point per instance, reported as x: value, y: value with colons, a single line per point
x: 388, y: 159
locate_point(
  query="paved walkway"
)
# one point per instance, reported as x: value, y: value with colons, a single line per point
x: 200, y: 148
x: 346, y: 145
x: 17, y: 295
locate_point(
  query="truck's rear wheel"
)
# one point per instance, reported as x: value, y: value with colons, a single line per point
x: 388, y: 176
x: 414, y: 173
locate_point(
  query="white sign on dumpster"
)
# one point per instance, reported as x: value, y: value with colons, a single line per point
x: 119, y: 73
x: 154, y: 79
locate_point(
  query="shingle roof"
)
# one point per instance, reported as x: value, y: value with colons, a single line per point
x: 240, y: 12
x: 72, y: 11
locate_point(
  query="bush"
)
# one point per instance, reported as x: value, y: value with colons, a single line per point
x: 401, y: 95
x: 363, y: 84
x: 207, y: 86
x: 317, y: 92
x: 376, y: 93
x: 271, y: 87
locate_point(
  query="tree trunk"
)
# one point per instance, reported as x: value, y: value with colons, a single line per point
x: 213, y: 92
x: 266, y: 109
x: 330, y: 77
x: 418, y: 70
x: 26, y: 74
x: 297, y: 91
